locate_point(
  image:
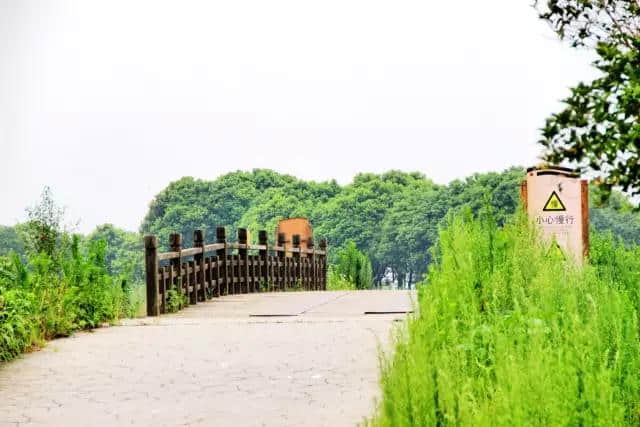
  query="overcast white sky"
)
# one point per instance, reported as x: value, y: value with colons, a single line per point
x: 109, y: 101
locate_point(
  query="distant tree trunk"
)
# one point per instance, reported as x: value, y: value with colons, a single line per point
x: 410, y: 279
x: 379, y: 275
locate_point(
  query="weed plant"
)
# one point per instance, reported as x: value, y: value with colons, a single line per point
x: 509, y: 333
x: 53, y: 295
x: 337, y: 281
x: 176, y: 300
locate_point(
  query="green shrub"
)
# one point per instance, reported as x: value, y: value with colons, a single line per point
x: 509, y: 334
x: 56, y: 294
x: 354, y: 267
x: 17, y: 331
x: 65, y: 284
x: 176, y: 300
x: 337, y: 281
x: 96, y: 296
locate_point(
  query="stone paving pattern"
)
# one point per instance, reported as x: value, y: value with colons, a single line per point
x: 277, y: 359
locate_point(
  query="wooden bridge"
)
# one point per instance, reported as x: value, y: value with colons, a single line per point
x: 222, y: 268
x: 242, y: 358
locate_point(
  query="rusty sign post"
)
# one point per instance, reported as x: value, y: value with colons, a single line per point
x: 557, y: 200
x: 290, y: 227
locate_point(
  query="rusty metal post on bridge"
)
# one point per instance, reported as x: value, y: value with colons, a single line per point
x: 323, y: 264
x: 199, y: 290
x: 297, y: 262
x: 243, y: 255
x: 151, y: 267
x: 264, y: 258
x: 221, y: 237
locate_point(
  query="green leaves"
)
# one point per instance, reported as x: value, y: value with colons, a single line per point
x: 189, y: 204
x: 393, y: 218
x: 124, y: 252
x: 354, y: 267
x: 588, y: 22
x: 64, y: 285
x: 10, y: 240
x: 39, y: 300
x: 599, y: 128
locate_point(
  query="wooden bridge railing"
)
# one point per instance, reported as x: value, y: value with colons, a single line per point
x: 210, y: 270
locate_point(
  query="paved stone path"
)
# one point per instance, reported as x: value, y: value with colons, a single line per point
x: 279, y: 359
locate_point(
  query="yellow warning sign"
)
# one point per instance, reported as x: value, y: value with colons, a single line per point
x: 554, y: 204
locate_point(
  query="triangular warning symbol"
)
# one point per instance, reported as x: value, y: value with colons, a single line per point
x: 554, y: 204
x: 556, y: 251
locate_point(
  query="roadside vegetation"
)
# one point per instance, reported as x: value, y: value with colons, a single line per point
x: 509, y: 333
x: 59, y: 284
x: 380, y: 228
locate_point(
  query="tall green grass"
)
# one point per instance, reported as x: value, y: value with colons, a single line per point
x: 55, y: 295
x: 338, y: 282
x: 509, y: 333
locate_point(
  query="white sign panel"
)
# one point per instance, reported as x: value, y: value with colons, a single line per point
x: 554, y: 203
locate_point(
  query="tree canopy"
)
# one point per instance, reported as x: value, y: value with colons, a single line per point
x: 189, y: 203
x: 10, y: 241
x: 392, y: 218
x: 124, y: 251
x: 599, y: 128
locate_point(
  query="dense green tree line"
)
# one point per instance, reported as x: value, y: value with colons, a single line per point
x: 393, y: 218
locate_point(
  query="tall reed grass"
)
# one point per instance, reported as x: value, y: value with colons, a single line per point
x: 509, y: 333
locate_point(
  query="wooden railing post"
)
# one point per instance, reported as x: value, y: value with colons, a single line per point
x: 264, y: 254
x: 323, y: 265
x: 282, y: 258
x: 297, y: 262
x: 162, y: 288
x: 313, y: 282
x: 243, y: 256
x: 189, y: 284
x: 215, y: 274
x: 175, y: 243
x: 199, y: 291
x: 221, y: 237
x: 151, y: 267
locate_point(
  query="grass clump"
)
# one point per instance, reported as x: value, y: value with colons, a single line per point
x: 48, y: 297
x: 176, y: 300
x: 60, y: 284
x: 509, y: 333
x: 338, y: 282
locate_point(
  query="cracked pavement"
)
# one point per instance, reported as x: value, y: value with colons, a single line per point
x: 271, y: 359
